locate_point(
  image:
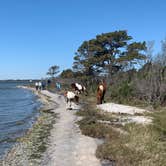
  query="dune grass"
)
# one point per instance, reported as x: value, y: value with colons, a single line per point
x: 143, y: 145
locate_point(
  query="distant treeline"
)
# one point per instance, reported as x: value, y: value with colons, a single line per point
x: 12, y: 80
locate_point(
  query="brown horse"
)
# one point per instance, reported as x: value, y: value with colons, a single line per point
x: 101, y: 90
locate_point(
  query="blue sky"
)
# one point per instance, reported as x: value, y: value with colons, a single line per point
x: 35, y: 34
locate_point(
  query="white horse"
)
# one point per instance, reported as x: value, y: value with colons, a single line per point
x: 71, y: 97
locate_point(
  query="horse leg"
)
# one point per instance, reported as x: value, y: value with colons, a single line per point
x: 70, y: 103
x: 102, y: 97
x: 98, y: 99
x: 67, y: 100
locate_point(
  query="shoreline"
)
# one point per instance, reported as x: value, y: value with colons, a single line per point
x: 27, y: 150
x: 54, y: 138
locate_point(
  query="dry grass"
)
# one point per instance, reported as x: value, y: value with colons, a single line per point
x: 144, y: 145
x: 140, y: 147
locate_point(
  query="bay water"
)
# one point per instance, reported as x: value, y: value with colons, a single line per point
x: 18, y: 111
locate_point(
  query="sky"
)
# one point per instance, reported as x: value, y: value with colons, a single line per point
x: 36, y: 34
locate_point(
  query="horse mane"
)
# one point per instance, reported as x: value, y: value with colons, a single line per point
x: 104, y: 84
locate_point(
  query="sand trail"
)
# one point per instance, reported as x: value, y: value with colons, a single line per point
x: 67, y: 146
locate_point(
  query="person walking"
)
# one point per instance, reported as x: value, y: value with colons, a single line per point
x: 37, y: 85
x: 58, y: 86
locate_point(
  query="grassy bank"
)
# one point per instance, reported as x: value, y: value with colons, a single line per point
x: 130, y: 144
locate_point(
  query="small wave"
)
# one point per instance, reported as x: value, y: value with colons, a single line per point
x: 8, y: 140
x: 26, y: 119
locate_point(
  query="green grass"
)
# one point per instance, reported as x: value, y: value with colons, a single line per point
x: 37, y: 138
x: 160, y: 123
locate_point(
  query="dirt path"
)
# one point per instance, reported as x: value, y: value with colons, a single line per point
x: 68, y: 147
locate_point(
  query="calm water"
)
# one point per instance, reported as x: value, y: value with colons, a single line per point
x: 18, y: 110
